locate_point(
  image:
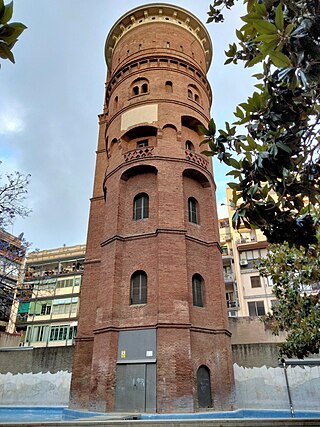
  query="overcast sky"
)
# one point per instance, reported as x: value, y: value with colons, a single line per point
x: 50, y: 99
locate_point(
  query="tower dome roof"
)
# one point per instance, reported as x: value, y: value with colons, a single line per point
x: 158, y: 12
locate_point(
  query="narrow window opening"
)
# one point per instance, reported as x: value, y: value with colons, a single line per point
x: 138, y: 288
x: 197, y: 290
x: 190, y: 95
x: 193, y: 210
x: 196, y: 98
x: 168, y: 44
x: 141, y: 207
x: 189, y: 146
x: 169, y: 86
x: 144, y: 88
x: 135, y: 90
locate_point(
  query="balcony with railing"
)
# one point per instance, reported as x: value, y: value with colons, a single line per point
x: 233, y: 308
x: 54, y: 269
x: 196, y: 158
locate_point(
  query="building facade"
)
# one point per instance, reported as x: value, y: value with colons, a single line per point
x: 153, y: 327
x: 53, y: 277
x: 247, y: 293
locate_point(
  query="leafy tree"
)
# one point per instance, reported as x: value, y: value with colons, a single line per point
x: 296, y: 277
x: 276, y: 161
x: 12, y: 197
x: 9, y: 32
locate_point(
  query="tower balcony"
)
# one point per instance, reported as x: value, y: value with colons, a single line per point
x: 195, y: 158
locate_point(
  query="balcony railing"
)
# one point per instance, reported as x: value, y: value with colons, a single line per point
x: 233, y: 305
x: 138, y: 153
x: 50, y: 273
x: 199, y: 160
x: 244, y: 240
x: 228, y: 277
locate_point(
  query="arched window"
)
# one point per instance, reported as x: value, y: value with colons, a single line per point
x: 197, y: 290
x: 116, y: 99
x: 138, y: 288
x: 189, y: 146
x: 141, y: 206
x: 139, y: 86
x: 193, y: 93
x: 193, y: 210
x: 204, y: 387
x: 169, y: 86
x: 135, y: 90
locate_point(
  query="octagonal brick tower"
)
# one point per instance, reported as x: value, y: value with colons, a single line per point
x: 153, y: 331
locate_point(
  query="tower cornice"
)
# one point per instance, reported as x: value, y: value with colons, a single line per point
x: 158, y: 12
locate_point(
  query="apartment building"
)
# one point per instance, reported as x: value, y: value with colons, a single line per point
x: 247, y: 293
x: 51, y: 315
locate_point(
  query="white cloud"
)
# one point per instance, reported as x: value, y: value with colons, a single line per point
x: 12, y: 120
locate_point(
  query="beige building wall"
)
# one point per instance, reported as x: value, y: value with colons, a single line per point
x: 55, y: 279
x: 247, y: 293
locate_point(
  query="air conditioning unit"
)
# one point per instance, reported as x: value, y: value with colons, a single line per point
x: 243, y: 262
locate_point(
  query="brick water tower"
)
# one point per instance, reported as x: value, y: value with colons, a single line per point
x: 153, y: 329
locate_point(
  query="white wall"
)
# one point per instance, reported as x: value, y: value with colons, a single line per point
x: 265, y: 388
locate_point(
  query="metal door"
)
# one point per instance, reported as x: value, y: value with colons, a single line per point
x: 131, y: 388
x: 204, y: 387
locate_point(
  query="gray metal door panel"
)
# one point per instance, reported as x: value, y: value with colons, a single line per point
x: 151, y: 378
x: 131, y: 388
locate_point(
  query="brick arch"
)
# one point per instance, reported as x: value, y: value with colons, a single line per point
x: 192, y: 123
x: 142, y: 131
x: 169, y: 125
x: 197, y: 176
x: 138, y: 170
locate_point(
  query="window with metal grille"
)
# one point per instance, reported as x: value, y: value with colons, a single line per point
x: 193, y: 210
x: 255, y: 282
x: 141, y: 206
x: 256, y: 308
x: 139, y: 288
x: 197, y: 290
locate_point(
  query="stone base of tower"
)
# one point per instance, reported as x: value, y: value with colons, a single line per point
x: 174, y: 368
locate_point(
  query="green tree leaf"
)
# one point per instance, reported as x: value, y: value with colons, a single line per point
x: 279, y: 20
x: 7, y: 13
x: 5, y: 52
x: 279, y: 59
